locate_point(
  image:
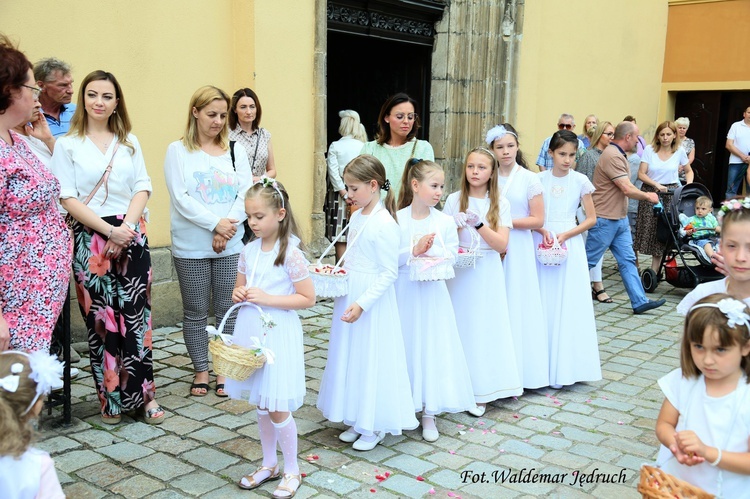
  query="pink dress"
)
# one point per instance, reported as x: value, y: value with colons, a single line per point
x: 35, y: 249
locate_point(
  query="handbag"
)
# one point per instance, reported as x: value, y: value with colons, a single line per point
x: 69, y: 220
x: 430, y: 268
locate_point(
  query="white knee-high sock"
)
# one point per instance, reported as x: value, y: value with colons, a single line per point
x: 267, y: 431
x: 286, y: 434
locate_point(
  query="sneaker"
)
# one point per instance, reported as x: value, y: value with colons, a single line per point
x: 649, y: 305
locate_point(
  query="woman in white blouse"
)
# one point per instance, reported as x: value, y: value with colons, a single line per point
x: 207, y: 185
x: 104, y: 188
x: 660, y: 165
x: 353, y: 137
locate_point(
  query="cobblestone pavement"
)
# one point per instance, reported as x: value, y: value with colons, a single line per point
x: 206, y: 444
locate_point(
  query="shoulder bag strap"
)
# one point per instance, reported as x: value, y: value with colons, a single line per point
x: 103, y: 179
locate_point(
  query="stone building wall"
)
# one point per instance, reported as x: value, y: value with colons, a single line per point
x: 474, y: 66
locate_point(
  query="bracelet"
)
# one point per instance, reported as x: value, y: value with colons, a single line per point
x: 718, y: 459
x: 111, y: 228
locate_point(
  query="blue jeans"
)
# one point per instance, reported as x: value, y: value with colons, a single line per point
x: 615, y: 235
x: 736, y: 179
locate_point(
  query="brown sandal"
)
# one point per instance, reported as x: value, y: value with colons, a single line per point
x: 274, y: 475
x: 284, y: 486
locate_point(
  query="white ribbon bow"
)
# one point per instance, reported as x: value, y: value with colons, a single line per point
x: 226, y: 338
x: 10, y: 383
x: 263, y: 350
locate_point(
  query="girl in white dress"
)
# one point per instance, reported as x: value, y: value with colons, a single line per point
x: 571, y: 327
x: 365, y: 383
x: 523, y: 191
x: 481, y: 305
x: 734, y: 219
x: 440, y: 380
x: 272, y: 274
x: 26, y: 472
x: 704, y: 421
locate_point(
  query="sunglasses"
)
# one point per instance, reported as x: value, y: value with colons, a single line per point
x: 564, y: 126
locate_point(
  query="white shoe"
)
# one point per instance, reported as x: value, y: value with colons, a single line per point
x: 430, y: 435
x: 555, y: 387
x: 349, y: 436
x: 365, y: 445
x: 478, y: 411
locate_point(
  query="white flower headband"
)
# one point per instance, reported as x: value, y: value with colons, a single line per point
x: 497, y: 132
x: 46, y: 372
x: 733, y: 309
x: 733, y: 205
x: 268, y: 181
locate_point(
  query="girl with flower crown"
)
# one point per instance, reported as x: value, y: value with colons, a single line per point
x: 734, y: 241
x: 704, y: 420
x: 25, y: 379
x: 272, y: 275
x: 527, y: 319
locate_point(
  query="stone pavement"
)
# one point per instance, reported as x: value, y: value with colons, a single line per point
x: 206, y: 444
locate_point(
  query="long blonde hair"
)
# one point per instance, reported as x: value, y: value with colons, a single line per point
x: 416, y: 169
x: 366, y: 168
x: 493, y: 189
x: 200, y: 99
x: 277, y: 200
x: 119, y: 121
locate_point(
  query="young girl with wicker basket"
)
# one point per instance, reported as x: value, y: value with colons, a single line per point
x: 272, y: 274
x: 440, y: 380
x: 571, y: 327
x: 25, y: 379
x: 365, y: 383
x: 704, y: 421
x: 484, y: 222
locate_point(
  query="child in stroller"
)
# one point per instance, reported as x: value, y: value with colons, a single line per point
x: 702, y: 227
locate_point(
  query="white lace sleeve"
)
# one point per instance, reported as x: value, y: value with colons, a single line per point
x: 587, y: 187
x: 241, y: 263
x: 534, y: 188
x: 296, y: 265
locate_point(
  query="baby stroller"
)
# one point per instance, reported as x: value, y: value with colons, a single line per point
x: 682, y: 265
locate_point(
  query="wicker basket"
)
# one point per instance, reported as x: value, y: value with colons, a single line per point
x: 656, y: 484
x: 469, y: 258
x: 551, y: 256
x: 431, y: 268
x: 329, y: 281
x: 234, y: 361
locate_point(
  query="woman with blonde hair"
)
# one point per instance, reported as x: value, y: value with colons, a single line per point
x: 660, y: 164
x: 207, y: 184
x: 353, y: 137
x: 104, y: 189
x: 686, y: 143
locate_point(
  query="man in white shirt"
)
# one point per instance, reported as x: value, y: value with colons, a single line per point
x: 738, y: 145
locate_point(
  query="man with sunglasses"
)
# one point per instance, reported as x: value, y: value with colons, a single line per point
x: 566, y: 122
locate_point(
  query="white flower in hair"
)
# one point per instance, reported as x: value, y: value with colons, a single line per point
x: 735, y: 312
x: 46, y: 371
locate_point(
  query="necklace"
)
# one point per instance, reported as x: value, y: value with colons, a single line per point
x: 96, y: 139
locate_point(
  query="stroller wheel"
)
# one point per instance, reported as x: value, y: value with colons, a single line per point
x: 650, y: 280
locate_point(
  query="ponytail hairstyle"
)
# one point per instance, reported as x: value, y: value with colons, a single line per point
x: 519, y: 155
x: 416, y: 169
x: 350, y: 125
x: 493, y: 188
x: 367, y: 168
x: 273, y: 193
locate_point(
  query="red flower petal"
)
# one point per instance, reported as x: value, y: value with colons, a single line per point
x: 420, y: 478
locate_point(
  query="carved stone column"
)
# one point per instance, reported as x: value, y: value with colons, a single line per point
x: 474, y: 66
x: 318, y: 241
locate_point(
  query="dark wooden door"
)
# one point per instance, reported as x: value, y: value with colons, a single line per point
x: 711, y: 114
x: 363, y: 71
x: 703, y: 110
